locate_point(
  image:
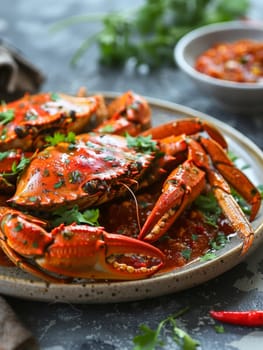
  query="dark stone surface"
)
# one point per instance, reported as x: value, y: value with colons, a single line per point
x: 26, y: 24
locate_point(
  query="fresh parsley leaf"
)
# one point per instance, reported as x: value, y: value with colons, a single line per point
x: 219, y: 242
x: 59, y: 137
x: 186, y: 253
x: 6, y: 116
x: 208, y: 205
x: 54, y: 96
x: 208, y: 256
x: 70, y: 137
x: 184, y: 340
x: 4, y: 154
x: 216, y: 244
x: 143, y: 144
x: 150, y: 339
x: 17, y: 168
x: 241, y: 202
x: 107, y: 129
x: 219, y: 328
x: 260, y: 188
x: 68, y: 216
x: 232, y: 156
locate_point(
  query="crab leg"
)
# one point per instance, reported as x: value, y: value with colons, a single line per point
x: 187, y: 126
x: 182, y: 187
x: 187, y: 181
x: 231, y: 209
x: 233, y: 175
x: 79, y: 251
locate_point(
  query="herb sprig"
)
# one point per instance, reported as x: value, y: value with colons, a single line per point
x: 18, y: 168
x: 68, y: 216
x: 6, y: 116
x: 210, y: 208
x: 149, y: 339
x: 148, y: 33
x: 53, y: 140
x: 143, y: 144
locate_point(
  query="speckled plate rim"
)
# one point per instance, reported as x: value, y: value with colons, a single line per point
x: 14, y: 282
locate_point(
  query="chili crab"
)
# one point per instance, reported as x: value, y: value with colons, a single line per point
x: 26, y: 124
x: 187, y: 155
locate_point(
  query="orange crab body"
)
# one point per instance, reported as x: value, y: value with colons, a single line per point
x: 26, y: 122
x: 88, y: 172
x: 75, y: 250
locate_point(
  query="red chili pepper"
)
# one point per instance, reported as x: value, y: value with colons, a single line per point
x: 251, y: 318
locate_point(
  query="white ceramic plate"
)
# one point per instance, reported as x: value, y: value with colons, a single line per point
x: 17, y: 283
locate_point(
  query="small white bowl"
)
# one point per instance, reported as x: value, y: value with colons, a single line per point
x: 239, y: 97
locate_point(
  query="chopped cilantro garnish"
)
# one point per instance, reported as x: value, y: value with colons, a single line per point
x: 232, y: 156
x: 58, y: 137
x: 6, y: 116
x: 194, y: 237
x: 219, y: 242
x: 186, y: 253
x: 18, y: 227
x: 208, y: 256
x: 107, y: 129
x: 59, y: 184
x: 260, y: 188
x: 75, y: 176
x: 68, y: 216
x: 3, y: 134
x: 143, y: 144
x: 219, y: 328
x: 245, y: 166
x: 4, y: 155
x: 35, y: 244
x: 17, y: 168
x: 33, y: 198
x: 208, y: 205
x: 54, y: 96
x: 241, y: 202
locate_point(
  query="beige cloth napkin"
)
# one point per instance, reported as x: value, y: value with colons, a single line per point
x: 17, y: 74
x: 13, y: 335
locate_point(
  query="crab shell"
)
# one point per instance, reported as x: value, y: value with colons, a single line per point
x: 93, y: 170
x: 33, y: 117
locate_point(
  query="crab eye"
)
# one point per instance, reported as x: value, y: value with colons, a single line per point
x: 21, y: 131
x: 94, y: 186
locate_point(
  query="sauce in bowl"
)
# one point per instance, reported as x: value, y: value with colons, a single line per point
x: 240, y: 61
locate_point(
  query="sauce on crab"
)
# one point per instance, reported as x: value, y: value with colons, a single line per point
x: 240, y: 61
x: 190, y: 237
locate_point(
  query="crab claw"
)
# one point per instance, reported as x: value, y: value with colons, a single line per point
x: 90, y: 252
x: 182, y: 187
x: 79, y: 251
x: 129, y: 113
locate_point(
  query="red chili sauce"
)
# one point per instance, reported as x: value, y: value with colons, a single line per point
x: 189, y: 238
x: 240, y: 61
